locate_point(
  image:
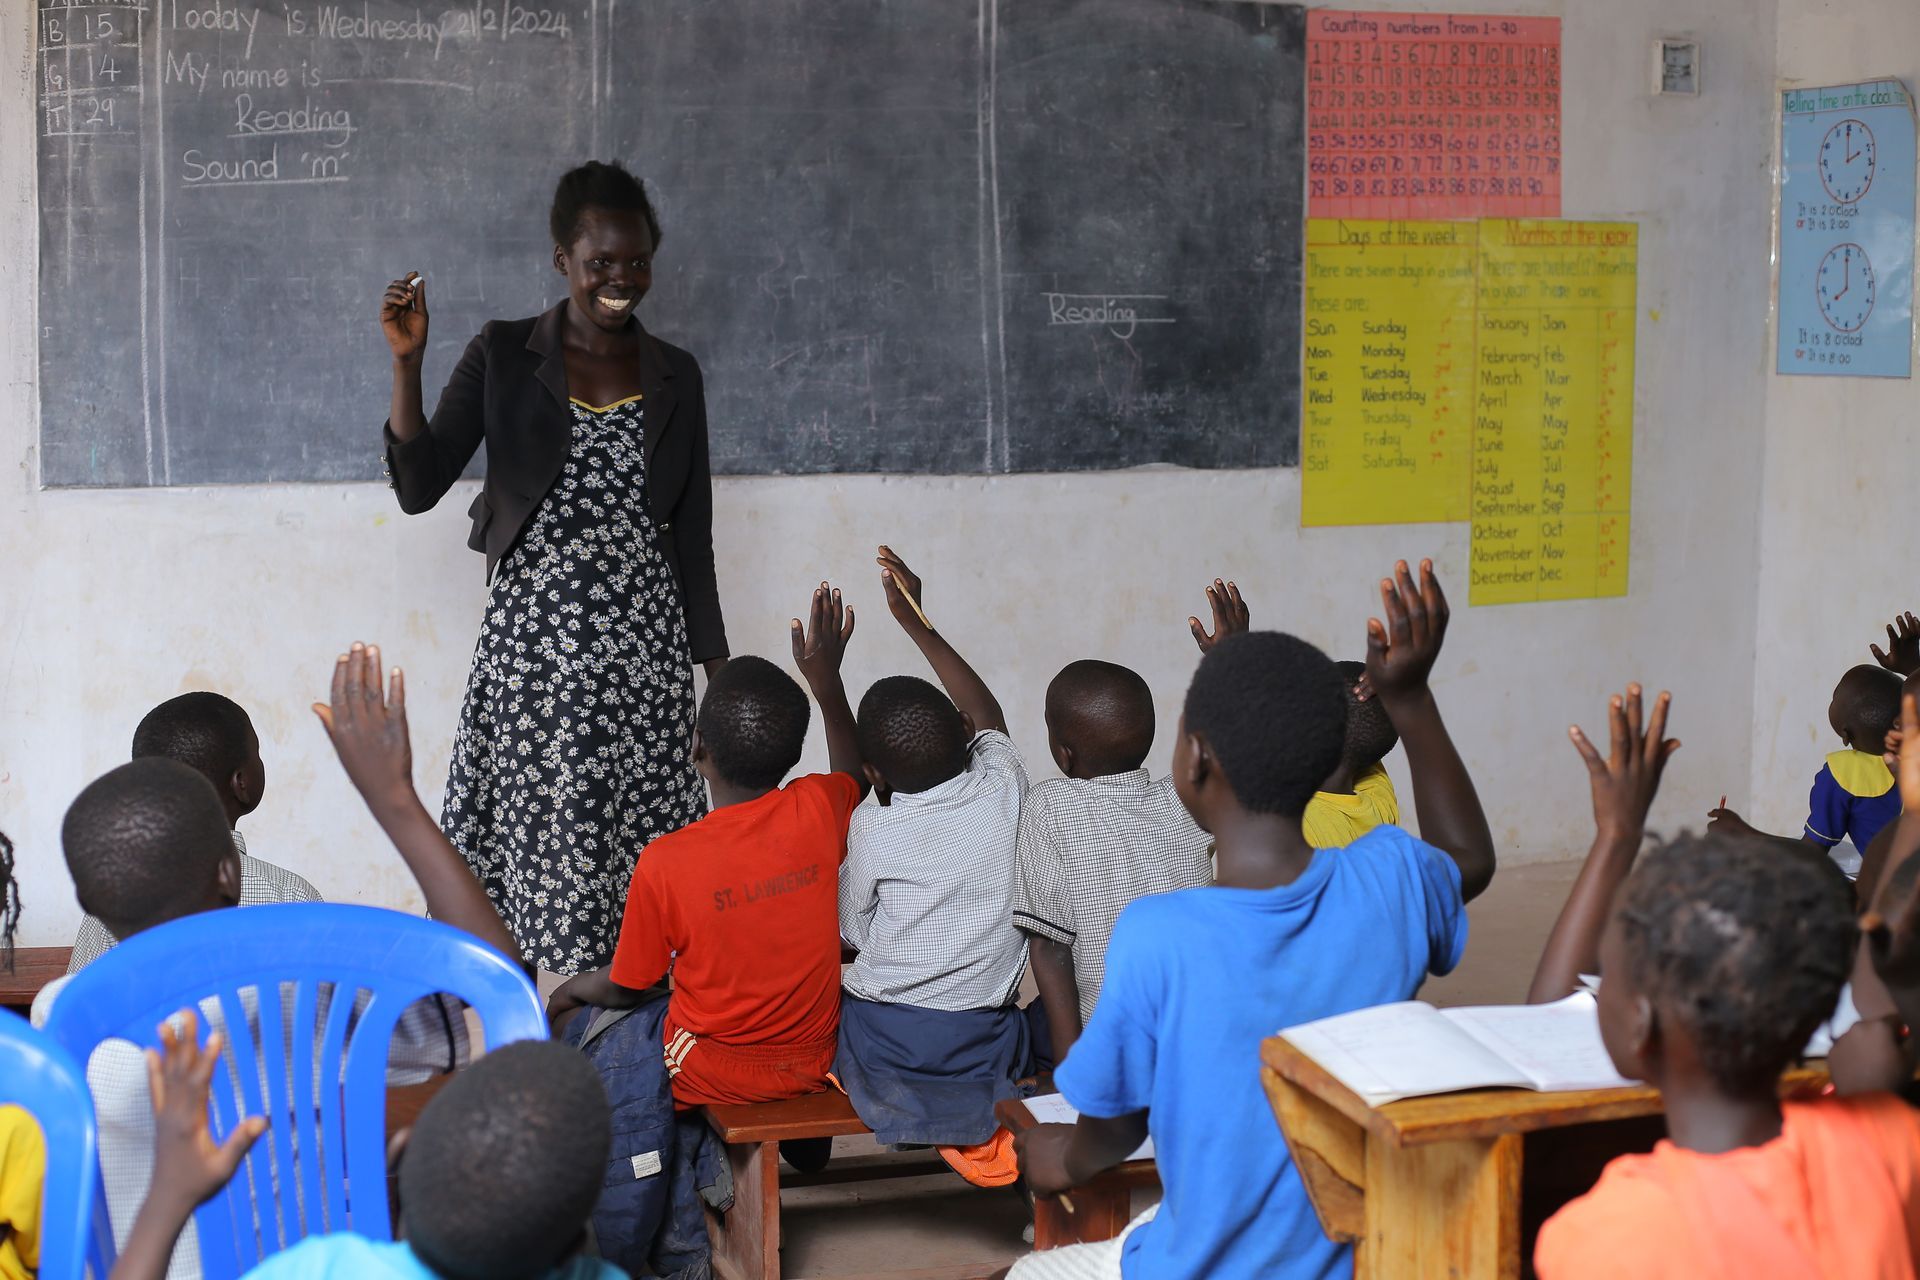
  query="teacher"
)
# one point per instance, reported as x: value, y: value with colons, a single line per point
x: 596, y: 518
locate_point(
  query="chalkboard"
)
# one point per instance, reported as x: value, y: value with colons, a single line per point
x: 1149, y: 233
x: 900, y: 235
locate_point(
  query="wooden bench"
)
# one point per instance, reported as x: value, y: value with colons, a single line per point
x: 33, y: 968
x: 746, y: 1239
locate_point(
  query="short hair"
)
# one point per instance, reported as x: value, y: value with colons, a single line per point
x: 1869, y: 700
x: 9, y: 901
x: 912, y: 733
x: 1104, y: 711
x: 504, y: 1166
x: 598, y: 185
x: 753, y: 722
x: 1370, y: 731
x: 143, y: 842
x: 1270, y: 708
x: 204, y: 730
x: 1745, y: 944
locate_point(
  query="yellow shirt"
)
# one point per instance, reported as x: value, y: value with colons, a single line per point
x: 1334, y: 821
x: 23, y: 1171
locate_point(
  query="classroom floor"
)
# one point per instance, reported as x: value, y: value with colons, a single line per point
x: 899, y: 1225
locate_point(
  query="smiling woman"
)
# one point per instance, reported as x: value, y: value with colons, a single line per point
x: 573, y: 749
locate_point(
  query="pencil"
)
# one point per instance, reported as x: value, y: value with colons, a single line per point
x: 919, y: 613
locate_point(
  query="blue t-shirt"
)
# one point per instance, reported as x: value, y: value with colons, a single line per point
x: 1196, y: 979
x: 1853, y: 797
x: 345, y: 1256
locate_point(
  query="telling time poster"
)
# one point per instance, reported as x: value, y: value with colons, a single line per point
x: 1846, y: 230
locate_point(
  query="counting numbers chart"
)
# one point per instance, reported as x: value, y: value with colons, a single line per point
x: 1432, y: 115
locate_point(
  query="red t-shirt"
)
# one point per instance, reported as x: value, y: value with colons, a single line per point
x: 744, y: 904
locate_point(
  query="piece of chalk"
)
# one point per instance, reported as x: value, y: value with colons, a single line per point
x: 418, y: 280
x: 1066, y: 1201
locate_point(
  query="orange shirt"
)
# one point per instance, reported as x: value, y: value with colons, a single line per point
x: 744, y: 904
x: 1835, y: 1197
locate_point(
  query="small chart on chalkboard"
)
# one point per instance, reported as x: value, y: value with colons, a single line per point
x: 900, y: 235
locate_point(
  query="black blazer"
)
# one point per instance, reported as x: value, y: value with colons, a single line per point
x: 510, y: 389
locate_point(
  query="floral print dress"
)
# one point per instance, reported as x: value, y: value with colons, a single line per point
x: 574, y: 744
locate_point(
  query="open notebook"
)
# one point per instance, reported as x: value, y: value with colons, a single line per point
x: 1053, y: 1108
x: 1407, y: 1050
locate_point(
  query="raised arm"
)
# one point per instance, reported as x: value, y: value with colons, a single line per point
x: 1230, y: 615
x: 819, y: 647
x: 1902, y: 654
x: 968, y: 691
x: 368, y: 729
x: 403, y: 322
x: 1400, y: 655
x: 1624, y: 783
x: 188, y: 1166
x: 425, y: 456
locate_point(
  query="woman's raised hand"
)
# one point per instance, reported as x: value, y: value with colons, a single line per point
x: 403, y: 316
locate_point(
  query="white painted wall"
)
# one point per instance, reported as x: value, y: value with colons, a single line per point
x: 113, y: 601
x: 1841, y: 470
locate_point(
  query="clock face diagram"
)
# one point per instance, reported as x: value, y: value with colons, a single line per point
x: 1847, y: 161
x: 1845, y: 287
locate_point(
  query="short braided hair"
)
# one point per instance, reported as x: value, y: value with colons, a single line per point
x: 1745, y: 943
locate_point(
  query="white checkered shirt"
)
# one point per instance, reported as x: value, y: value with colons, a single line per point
x: 260, y: 883
x: 1087, y: 848
x: 926, y: 892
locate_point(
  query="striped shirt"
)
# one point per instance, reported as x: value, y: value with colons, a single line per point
x: 1090, y: 846
x: 926, y: 892
x: 260, y: 883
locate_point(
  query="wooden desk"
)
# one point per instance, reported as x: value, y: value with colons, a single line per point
x: 1433, y: 1186
x: 1101, y: 1209
x: 33, y: 968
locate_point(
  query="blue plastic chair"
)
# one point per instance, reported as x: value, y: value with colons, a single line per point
x: 41, y: 1078
x: 325, y: 1148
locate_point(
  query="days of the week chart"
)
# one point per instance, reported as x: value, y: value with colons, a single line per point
x: 1483, y: 372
